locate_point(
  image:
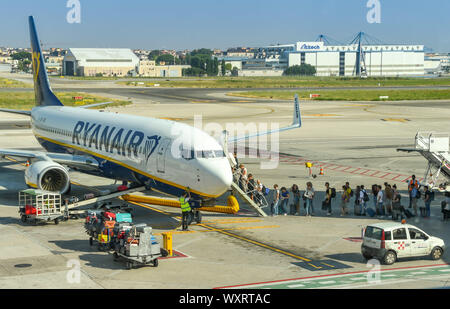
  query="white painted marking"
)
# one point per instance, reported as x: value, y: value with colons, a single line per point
x: 445, y: 270
x: 418, y: 273
x: 295, y: 286
x: 358, y: 278
x: 327, y: 282
x: 389, y: 275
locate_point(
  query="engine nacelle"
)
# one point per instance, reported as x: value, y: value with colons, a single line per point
x: 48, y: 176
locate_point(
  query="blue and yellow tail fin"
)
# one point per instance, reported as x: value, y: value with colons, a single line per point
x: 43, y: 92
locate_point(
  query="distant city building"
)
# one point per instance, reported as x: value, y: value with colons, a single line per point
x: 100, y: 61
x: 148, y: 68
x: 54, y: 64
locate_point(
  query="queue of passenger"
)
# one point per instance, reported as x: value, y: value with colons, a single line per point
x: 386, y: 203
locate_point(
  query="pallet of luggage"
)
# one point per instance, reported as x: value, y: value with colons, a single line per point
x: 114, y: 231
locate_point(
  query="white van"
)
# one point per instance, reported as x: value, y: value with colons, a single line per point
x: 392, y: 240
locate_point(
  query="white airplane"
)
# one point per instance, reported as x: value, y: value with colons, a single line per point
x: 120, y: 147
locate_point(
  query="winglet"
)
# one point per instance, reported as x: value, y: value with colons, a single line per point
x: 297, y: 114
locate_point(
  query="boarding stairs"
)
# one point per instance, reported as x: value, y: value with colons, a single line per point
x: 245, y: 196
x: 435, y: 148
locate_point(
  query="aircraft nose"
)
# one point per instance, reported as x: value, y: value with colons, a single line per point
x: 219, y: 177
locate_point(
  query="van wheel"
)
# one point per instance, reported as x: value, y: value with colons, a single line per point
x: 436, y: 253
x: 390, y: 258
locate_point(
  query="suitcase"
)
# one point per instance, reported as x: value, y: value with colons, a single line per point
x: 370, y: 212
x: 124, y: 217
x: 358, y: 210
x: 408, y: 213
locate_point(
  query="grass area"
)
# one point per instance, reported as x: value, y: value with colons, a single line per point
x: 87, y: 77
x: 9, y: 83
x: 352, y: 95
x: 25, y: 100
x: 288, y: 82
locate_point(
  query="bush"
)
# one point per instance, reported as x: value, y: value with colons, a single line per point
x: 304, y: 69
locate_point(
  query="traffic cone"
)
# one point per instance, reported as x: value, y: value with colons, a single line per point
x: 321, y: 171
x: 27, y: 164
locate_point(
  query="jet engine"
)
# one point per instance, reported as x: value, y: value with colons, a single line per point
x: 48, y: 176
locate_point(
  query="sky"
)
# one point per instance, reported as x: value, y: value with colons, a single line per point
x: 183, y: 24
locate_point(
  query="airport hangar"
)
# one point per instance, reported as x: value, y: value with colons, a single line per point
x: 335, y: 60
x: 118, y: 62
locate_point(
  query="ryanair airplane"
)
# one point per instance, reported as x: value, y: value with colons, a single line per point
x: 120, y: 147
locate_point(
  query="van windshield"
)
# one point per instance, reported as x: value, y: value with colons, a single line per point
x: 373, y: 232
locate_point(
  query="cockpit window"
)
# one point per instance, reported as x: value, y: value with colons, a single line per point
x: 190, y: 154
x: 219, y: 154
x: 207, y: 154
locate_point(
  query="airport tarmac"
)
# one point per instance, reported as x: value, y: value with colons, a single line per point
x: 355, y: 141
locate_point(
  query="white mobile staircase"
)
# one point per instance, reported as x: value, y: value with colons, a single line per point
x: 435, y: 148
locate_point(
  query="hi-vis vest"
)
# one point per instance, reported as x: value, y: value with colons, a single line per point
x: 412, y: 184
x: 184, y: 205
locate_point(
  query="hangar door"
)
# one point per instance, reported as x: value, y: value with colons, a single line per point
x: 69, y: 68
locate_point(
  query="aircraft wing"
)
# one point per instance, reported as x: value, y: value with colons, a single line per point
x: 296, y: 124
x: 95, y: 105
x: 74, y: 161
x: 15, y: 111
x: 28, y: 113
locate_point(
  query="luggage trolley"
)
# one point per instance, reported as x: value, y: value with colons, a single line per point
x: 137, y: 246
x: 40, y: 206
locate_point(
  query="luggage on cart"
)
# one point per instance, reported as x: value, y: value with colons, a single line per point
x: 137, y: 246
x: 124, y: 217
x: 40, y: 206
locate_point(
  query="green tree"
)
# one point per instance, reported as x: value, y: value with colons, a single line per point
x: 202, y: 51
x: 167, y: 58
x: 193, y: 72
x: 21, y: 56
x: 223, y: 67
x: 154, y: 54
x: 297, y: 70
x: 24, y: 65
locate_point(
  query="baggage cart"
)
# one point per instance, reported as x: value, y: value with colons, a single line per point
x: 38, y: 206
x: 138, y: 247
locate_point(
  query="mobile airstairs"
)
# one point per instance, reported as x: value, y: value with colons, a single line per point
x: 435, y: 147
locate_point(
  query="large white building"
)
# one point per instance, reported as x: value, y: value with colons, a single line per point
x: 376, y: 60
x: 100, y: 61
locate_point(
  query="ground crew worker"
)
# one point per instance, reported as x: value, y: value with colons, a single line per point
x: 413, y: 188
x: 185, y: 210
